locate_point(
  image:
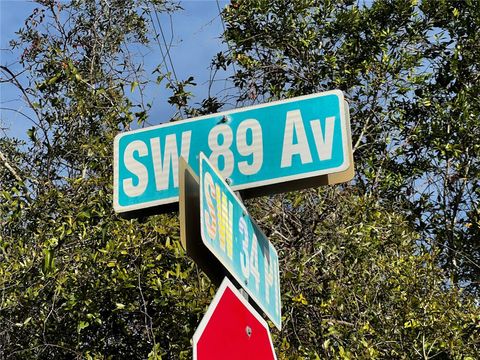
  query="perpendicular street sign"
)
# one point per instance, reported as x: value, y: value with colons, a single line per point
x: 272, y: 147
x: 232, y: 329
x: 229, y: 232
x: 189, y: 216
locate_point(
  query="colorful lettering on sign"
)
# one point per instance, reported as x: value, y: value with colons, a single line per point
x: 230, y: 234
x: 218, y: 216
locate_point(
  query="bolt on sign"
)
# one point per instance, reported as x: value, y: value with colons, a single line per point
x: 272, y: 147
x: 229, y: 232
x: 232, y: 329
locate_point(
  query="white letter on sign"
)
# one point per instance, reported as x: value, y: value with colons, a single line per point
x: 244, y: 258
x: 324, y: 145
x: 294, y: 124
x: 221, y: 150
x: 170, y: 155
x: 255, y: 148
x: 136, y: 168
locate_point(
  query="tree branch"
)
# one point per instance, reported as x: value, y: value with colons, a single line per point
x: 10, y: 168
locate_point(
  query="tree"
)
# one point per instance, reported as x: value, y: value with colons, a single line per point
x: 76, y: 280
x: 368, y: 269
x: 409, y: 75
x: 411, y: 79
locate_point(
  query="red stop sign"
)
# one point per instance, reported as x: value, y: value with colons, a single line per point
x: 232, y: 329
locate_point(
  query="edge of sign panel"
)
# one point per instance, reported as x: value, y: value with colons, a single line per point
x: 189, y: 216
x: 211, y: 308
x: 226, y: 264
x: 346, y: 161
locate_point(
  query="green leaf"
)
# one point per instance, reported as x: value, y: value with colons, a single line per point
x: 31, y: 133
x: 48, y: 261
x: 133, y: 85
x: 82, y: 325
x: 53, y: 79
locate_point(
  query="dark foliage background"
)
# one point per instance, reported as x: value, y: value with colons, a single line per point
x: 387, y: 266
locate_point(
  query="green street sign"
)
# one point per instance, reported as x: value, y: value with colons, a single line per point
x: 229, y: 232
x: 272, y: 147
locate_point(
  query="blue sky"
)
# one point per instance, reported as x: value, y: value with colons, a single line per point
x: 195, y: 40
